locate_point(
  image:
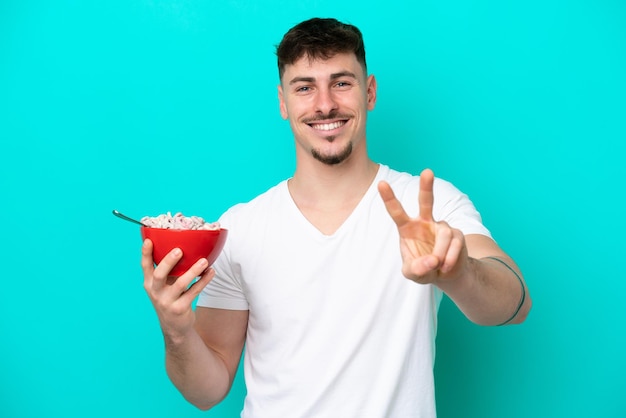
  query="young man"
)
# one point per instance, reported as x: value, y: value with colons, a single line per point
x: 332, y: 278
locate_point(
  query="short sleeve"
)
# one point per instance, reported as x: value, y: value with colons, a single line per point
x: 225, y: 290
x: 455, y: 208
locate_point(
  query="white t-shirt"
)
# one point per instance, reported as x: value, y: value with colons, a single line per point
x: 335, y: 329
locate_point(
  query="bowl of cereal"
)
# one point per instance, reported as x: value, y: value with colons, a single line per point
x: 196, y: 238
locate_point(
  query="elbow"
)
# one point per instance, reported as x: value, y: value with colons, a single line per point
x: 496, y: 320
x: 205, y: 401
x: 523, y: 312
x: 204, y: 407
x: 202, y: 404
x: 202, y: 401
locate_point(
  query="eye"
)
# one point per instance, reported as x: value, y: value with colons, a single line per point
x: 343, y: 84
x: 303, y: 89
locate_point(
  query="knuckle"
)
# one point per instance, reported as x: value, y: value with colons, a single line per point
x: 445, y: 233
x: 160, y: 305
x: 178, y: 309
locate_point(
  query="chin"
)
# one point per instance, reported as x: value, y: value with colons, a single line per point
x: 333, y: 159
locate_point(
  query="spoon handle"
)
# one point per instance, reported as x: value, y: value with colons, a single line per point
x: 126, y: 218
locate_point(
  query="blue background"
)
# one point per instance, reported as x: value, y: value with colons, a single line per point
x: 153, y: 106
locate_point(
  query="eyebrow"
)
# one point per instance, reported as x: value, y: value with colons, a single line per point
x: 333, y: 76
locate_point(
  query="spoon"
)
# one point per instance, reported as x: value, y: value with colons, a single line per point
x: 126, y: 218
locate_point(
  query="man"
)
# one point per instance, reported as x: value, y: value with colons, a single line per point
x: 330, y: 283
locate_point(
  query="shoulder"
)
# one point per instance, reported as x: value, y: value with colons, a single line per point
x: 406, y: 185
x: 259, y: 207
x: 247, y: 224
x: 450, y: 204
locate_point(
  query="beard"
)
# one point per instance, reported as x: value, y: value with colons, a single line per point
x: 332, y: 159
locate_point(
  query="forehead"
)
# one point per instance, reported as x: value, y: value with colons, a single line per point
x: 323, y: 68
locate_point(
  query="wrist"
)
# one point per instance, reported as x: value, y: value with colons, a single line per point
x: 176, y: 337
x: 463, y: 280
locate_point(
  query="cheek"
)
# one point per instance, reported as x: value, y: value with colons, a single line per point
x: 293, y: 110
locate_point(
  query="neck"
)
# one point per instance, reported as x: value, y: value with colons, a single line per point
x: 318, y: 184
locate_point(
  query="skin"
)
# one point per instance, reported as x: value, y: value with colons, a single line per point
x: 203, y: 347
x: 320, y: 94
x: 326, y: 103
x: 315, y: 93
x: 433, y: 252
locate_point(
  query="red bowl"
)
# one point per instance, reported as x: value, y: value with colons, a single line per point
x: 194, y: 243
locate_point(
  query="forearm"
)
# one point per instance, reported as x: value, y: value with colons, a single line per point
x: 197, y: 371
x: 490, y: 292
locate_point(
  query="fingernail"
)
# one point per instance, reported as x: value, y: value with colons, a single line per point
x: 176, y: 251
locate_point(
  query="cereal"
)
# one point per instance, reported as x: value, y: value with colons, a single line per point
x: 179, y: 221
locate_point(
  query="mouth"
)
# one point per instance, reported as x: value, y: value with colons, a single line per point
x: 327, y: 126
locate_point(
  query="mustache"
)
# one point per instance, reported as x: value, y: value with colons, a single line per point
x: 333, y: 114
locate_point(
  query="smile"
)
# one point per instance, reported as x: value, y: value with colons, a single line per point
x: 327, y: 126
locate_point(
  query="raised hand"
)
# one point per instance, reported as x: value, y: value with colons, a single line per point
x: 431, y: 251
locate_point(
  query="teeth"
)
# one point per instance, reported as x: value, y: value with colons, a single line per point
x: 328, y: 126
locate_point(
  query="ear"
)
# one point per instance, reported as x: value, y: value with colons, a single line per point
x: 282, y: 104
x: 371, y: 92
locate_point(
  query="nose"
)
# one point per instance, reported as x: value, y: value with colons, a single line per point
x: 325, y: 101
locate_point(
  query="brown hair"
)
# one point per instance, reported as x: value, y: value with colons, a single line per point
x: 319, y: 38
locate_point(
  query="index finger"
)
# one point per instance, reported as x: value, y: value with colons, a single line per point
x: 392, y: 204
x: 426, y: 197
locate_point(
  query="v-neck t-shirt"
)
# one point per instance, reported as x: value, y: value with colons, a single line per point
x: 334, y: 329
